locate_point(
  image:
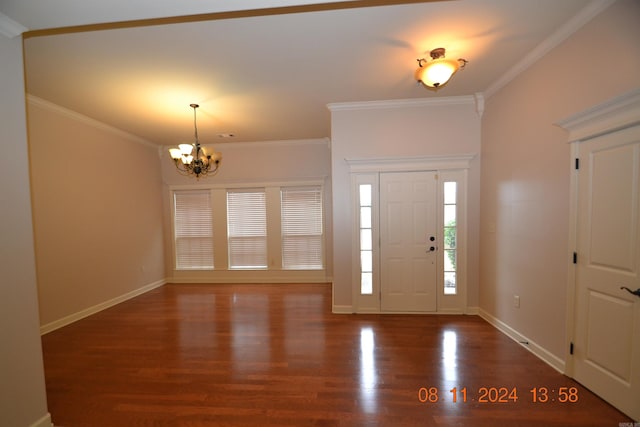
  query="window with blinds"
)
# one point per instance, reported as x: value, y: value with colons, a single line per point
x: 247, y: 228
x: 193, y: 230
x: 301, y: 218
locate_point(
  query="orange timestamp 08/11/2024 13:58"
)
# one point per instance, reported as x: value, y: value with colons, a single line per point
x: 498, y: 395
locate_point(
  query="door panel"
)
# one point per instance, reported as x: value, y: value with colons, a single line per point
x: 607, y: 347
x: 600, y: 340
x: 613, y: 208
x: 407, y: 220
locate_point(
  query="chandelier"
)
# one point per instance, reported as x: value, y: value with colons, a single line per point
x: 437, y: 72
x: 197, y: 163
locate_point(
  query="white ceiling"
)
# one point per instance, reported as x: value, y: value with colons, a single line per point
x: 263, y: 74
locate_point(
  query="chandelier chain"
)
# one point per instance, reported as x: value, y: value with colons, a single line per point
x: 195, y: 123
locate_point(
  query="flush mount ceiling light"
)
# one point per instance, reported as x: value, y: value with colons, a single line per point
x: 439, y: 70
x: 195, y: 164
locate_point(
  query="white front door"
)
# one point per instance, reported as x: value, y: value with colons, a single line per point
x: 607, y: 322
x: 408, y: 245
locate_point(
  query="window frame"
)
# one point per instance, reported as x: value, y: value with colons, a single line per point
x: 174, y: 230
x: 320, y: 224
x: 274, y: 240
x: 446, y: 251
x: 365, y: 302
x: 248, y: 235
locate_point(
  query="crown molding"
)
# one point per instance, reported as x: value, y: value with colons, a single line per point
x: 10, y: 28
x: 402, y: 103
x: 478, y: 98
x: 50, y: 106
x: 561, y: 34
x: 618, y: 113
x: 273, y: 143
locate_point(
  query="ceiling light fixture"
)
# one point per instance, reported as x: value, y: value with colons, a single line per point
x: 437, y: 72
x: 200, y: 163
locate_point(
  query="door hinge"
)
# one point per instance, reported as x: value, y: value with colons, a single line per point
x: 575, y: 258
x: 571, y: 348
x: 577, y: 163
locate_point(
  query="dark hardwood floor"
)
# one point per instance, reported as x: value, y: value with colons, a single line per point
x: 274, y: 355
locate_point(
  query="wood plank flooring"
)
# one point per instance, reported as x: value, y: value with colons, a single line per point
x: 274, y: 355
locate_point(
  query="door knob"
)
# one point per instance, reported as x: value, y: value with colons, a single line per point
x: 433, y: 248
x: 636, y: 292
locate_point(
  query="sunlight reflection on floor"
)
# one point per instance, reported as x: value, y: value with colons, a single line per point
x: 368, y: 376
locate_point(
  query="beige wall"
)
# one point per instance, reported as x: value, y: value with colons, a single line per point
x: 444, y: 128
x: 97, y: 204
x: 22, y: 388
x: 526, y: 170
x: 256, y: 164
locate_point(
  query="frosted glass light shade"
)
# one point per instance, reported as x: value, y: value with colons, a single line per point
x: 187, y: 159
x: 438, y: 72
x: 186, y: 148
x: 175, y: 153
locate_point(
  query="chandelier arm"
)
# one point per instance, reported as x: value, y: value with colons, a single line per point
x: 181, y: 167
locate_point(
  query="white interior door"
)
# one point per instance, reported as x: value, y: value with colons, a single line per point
x: 408, y: 245
x: 607, y: 324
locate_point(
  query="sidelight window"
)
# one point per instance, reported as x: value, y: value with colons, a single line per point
x: 366, y: 239
x: 450, y: 252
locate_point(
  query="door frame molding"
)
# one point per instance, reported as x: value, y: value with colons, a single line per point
x: 409, y: 164
x: 369, y: 169
x: 616, y: 114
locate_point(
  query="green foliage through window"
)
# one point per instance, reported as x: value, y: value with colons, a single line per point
x: 450, y: 241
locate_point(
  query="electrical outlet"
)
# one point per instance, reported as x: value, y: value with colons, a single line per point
x: 516, y: 301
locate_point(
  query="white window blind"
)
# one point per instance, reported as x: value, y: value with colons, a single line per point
x: 301, y: 216
x: 247, y: 228
x: 193, y: 230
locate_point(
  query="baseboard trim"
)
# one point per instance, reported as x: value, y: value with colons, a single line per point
x: 347, y: 309
x: 248, y: 280
x: 342, y: 309
x: 45, y: 421
x: 67, y: 320
x: 472, y: 311
x: 449, y: 311
x: 539, y: 351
